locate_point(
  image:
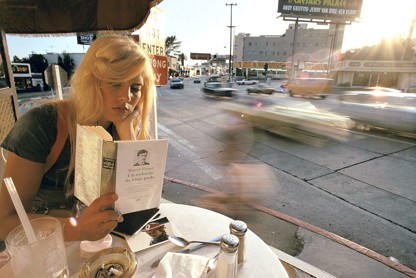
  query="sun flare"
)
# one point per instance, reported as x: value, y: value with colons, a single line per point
x: 378, y: 22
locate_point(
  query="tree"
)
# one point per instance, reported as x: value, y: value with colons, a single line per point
x: 172, y: 45
x: 67, y: 63
x: 182, y: 57
x: 18, y: 60
x: 38, y: 63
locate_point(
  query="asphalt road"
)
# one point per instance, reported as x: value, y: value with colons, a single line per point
x: 361, y: 188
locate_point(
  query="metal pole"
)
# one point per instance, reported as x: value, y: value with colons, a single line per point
x: 292, y: 66
x: 231, y: 39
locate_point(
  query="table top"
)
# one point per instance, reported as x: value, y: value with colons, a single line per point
x: 194, y: 223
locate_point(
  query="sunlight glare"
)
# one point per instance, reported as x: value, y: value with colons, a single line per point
x: 378, y: 22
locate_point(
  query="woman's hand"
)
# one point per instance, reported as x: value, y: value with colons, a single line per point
x: 125, y: 127
x: 96, y: 221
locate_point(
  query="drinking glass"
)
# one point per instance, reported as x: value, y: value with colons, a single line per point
x: 44, y: 258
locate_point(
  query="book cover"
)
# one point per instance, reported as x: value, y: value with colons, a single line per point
x: 132, y: 169
x: 156, y: 232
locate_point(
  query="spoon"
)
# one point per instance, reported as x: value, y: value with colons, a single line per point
x: 180, y: 241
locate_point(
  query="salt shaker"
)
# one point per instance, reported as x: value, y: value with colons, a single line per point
x: 239, y: 229
x: 227, y: 260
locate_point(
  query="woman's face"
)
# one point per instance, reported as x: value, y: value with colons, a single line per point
x: 120, y: 99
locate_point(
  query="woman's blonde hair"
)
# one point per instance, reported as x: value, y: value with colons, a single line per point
x: 111, y: 59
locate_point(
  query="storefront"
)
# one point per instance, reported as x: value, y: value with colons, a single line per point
x: 393, y: 74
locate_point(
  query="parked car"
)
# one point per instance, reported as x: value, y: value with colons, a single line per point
x: 261, y: 88
x: 247, y: 82
x: 197, y: 80
x: 176, y: 83
x: 311, y: 87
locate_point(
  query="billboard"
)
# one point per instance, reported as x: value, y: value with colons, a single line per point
x: 339, y: 10
x: 85, y: 38
x: 200, y: 56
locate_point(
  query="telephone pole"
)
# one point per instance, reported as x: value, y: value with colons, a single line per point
x: 231, y: 39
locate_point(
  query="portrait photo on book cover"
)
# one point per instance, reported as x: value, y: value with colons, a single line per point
x: 154, y: 233
x: 141, y: 157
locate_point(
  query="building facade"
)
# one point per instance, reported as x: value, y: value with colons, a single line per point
x: 311, y: 46
x: 314, y: 52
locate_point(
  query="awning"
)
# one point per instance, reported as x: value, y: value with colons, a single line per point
x: 71, y: 16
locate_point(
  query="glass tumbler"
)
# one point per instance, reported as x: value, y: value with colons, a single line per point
x: 44, y: 258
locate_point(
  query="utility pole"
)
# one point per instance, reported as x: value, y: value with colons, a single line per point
x: 231, y: 39
x: 409, y: 37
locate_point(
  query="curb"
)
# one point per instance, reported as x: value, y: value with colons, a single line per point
x: 336, y: 238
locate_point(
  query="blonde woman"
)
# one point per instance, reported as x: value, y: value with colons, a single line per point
x: 113, y: 87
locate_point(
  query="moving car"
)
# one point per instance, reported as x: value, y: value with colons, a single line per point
x: 247, y: 82
x: 289, y: 117
x: 197, y: 80
x: 176, y: 83
x: 218, y: 89
x: 380, y: 107
x: 311, y: 87
x: 261, y: 89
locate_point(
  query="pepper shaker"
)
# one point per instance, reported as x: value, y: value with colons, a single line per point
x: 239, y: 229
x: 227, y: 260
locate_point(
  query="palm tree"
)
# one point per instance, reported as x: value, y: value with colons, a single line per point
x: 182, y: 57
x: 172, y: 45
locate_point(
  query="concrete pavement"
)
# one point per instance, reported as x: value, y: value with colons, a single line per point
x: 313, y: 250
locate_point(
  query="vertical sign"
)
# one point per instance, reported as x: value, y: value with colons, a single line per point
x: 152, y: 40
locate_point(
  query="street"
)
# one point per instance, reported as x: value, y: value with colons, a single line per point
x: 361, y: 188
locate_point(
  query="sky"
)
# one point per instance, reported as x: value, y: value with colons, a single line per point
x: 201, y: 26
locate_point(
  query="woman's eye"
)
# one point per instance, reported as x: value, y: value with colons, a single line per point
x: 135, y: 88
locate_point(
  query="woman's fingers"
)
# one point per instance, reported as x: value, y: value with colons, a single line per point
x: 104, y: 202
x: 100, y: 218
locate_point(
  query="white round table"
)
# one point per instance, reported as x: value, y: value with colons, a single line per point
x: 194, y: 223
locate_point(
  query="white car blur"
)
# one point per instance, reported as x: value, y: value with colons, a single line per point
x: 384, y: 108
x: 247, y: 82
x: 289, y: 117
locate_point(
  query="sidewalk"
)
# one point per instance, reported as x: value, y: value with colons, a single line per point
x: 317, y: 253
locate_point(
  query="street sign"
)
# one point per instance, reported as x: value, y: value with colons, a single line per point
x: 152, y: 33
x: 160, y: 67
x: 201, y: 56
x: 55, y: 76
